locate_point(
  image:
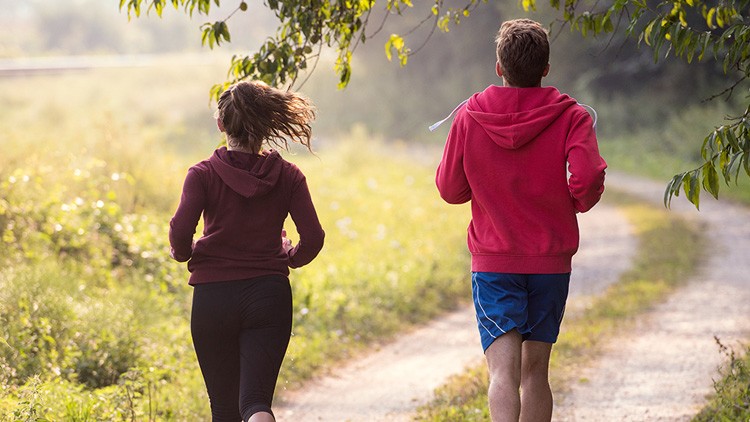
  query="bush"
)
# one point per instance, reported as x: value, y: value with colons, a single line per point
x: 731, y: 399
x: 34, y: 322
x: 55, y: 326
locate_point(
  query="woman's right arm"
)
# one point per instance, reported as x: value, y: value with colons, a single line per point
x: 311, y: 234
x: 185, y: 220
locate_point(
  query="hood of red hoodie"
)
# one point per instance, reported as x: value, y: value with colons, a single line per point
x: 518, y: 115
x: 247, y: 174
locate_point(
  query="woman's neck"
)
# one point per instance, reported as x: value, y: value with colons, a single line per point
x: 248, y: 149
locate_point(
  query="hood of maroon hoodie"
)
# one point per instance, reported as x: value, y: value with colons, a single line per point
x: 247, y: 174
x: 518, y: 115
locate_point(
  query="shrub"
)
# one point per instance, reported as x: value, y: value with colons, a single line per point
x: 731, y: 399
x: 34, y: 322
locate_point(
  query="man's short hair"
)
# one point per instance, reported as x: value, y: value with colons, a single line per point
x: 522, y: 51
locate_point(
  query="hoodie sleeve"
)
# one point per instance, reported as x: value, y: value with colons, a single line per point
x: 450, y: 178
x: 586, y: 166
x: 185, y: 220
x: 311, y: 234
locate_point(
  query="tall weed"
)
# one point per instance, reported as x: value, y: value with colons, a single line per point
x: 731, y: 398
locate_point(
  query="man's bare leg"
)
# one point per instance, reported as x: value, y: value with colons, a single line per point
x: 536, y: 395
x: 504, y: 364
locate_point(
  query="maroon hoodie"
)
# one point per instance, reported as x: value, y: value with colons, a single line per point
x: 245, y: 199
x: 528, y: 160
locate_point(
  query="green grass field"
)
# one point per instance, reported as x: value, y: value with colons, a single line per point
x: 94, y: 322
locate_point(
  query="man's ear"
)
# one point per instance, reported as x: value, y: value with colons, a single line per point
x: 546, y: 71
x: 220, y: 125
x: 499, y: 69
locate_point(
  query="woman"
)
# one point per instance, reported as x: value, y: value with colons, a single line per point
x: 242, y: 302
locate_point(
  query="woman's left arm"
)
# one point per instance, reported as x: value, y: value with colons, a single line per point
x: 311, y: 234
x: 185, y: 220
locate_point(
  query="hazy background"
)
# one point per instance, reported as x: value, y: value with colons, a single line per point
x: 100, y: 117
x: 634, y: 95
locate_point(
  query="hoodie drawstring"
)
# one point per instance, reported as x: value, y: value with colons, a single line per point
x: 435, y: 125
x: 593, y: 112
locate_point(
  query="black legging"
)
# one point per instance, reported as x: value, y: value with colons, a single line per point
x: 240, y: 332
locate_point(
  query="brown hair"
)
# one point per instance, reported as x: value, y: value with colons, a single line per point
x: 523, y: 52
x: 253, y: 113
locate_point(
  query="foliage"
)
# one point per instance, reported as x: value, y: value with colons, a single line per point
x: 691, y: 30
x: 82, y: 220
x: 688, y: 29
x: 731, y: 400
x: 661, y: 265
x: 305, y: 28
x: 725, y: 152
x: 660, y: 151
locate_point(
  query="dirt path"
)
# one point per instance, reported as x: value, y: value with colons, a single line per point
x: 391, y: 382
x: 663, y: 370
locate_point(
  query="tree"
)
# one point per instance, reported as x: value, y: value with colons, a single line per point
x: 693, y: 30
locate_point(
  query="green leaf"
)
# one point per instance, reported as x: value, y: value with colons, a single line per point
x: 647, y: 32
x: 691, y: 186
x: 207, y: 35
x: 394, y: 42
x: 673, y: 189
x: 344, y: 76
x: 608, y: 25
x: 709, y: 145
x: 711, y: 180
x: 731, y: 137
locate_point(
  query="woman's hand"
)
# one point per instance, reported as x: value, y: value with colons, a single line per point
x: 286, y: 244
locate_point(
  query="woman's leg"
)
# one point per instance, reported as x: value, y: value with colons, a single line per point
x: 215, y: 329
x: 266, y: 328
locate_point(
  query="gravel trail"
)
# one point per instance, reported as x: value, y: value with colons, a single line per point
x: 663, y: 369
x: 392, y: 381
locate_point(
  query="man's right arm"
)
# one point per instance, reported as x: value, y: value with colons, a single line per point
x: 451, y: 178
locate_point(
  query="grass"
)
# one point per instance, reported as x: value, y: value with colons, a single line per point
x: 372, y: 204
x: 662, y: 264
x: 731, y: 399
x: 94, y: 317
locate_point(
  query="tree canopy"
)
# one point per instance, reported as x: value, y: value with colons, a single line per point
x: 692, y: 30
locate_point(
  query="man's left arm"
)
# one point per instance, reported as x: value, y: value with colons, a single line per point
x: 585, y: 164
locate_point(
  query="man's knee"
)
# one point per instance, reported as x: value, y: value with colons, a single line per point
x: 535, y: 361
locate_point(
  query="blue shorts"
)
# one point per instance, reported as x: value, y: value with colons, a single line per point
x: 533, y: 304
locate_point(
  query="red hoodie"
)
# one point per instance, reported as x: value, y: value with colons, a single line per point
x: 245, y: 199
x: 528, y: 160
